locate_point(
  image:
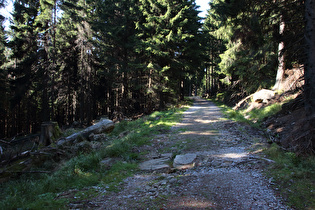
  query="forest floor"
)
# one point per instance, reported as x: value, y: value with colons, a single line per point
x: 227, y: 173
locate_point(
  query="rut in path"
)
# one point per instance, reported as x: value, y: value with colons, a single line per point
x: 227, y: 172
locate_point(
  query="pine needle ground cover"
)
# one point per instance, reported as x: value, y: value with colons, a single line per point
x: 84, y: 174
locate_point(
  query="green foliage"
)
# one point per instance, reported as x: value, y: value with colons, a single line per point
x: 70, y: 131
x: 171, y: 39
x: 294, y: 176
x: 249, y: 32
x: 259, y: 114
x: 234, y: 114
x: 97, y: 58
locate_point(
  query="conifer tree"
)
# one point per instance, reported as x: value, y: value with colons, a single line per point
x: 24, y: 88
x: 67, y: 58
x: 251, y: 47
x: 3, y: 76
x: 215, y: 45
x: 251, y: 32
x: 169, y: 29
x: 117, y: 41
x: 74, y: 39
x: 307, y: 139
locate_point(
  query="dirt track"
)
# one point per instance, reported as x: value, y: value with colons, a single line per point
x: 227, y: 172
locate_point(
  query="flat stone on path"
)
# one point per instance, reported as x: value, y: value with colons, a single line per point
x: 155, y: 164
x: 184, y: 161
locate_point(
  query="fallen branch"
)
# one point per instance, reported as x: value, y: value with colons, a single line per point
x: 5, y: 142
x: 17, y: 157
x: 27, y: 172
x: 262, y: 158
x: 239, y: 104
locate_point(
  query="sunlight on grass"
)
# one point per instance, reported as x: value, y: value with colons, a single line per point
x: 259, y: 114
x: 294, y: 175
x: 254, y: 117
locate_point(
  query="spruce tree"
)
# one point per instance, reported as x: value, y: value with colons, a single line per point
x: 117, y: 41
x: 67, y: 58
x: 169, y: 29
x: 3, y: 77
x: 24, y: 75
x: 251, y: 32
x: 250, y: 56
x: 307, y: 138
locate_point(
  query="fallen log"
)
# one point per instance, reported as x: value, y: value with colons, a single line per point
x: 103, y: 126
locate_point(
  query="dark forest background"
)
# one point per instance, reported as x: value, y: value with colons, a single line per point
x: 76, y: 60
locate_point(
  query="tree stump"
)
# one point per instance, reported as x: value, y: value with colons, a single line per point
x: 49, y: 132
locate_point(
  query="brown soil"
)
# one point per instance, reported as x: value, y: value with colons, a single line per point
x: 290, y: 127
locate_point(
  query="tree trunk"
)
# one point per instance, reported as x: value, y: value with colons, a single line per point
x: 103, y: 126
x: 281, y: 66
x: 182, y: 94
x: 310, y: 61
x: 49, y: 131
x: 307, y: 143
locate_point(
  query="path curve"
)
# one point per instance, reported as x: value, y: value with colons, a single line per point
x: 227, y: 172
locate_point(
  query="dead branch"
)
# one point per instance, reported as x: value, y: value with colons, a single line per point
x: 27, y: 172
x: 5, y: 142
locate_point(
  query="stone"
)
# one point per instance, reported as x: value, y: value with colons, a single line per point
x: 154, y: 155
x: 155, y: 164
x: 263, y: 96
x: 184, y: 161
x: 167, y: 155
x: 123, y: 134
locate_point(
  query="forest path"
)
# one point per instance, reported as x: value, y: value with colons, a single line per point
x: 227, y: 172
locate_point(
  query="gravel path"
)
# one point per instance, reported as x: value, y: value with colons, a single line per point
x: 227, y: 173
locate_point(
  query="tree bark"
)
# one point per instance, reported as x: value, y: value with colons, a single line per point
x: 49, y: 131
x: 281, y: 66
x: 104, y: 126
x: 310, y: 61
x: 310, y: 67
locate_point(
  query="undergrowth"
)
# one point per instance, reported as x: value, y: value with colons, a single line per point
x: 294, y: 176
x: 254, y: 117
x: 40, y: 191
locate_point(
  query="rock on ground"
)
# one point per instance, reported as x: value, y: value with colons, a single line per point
x: 263, y: 96
x: 184, y: 161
